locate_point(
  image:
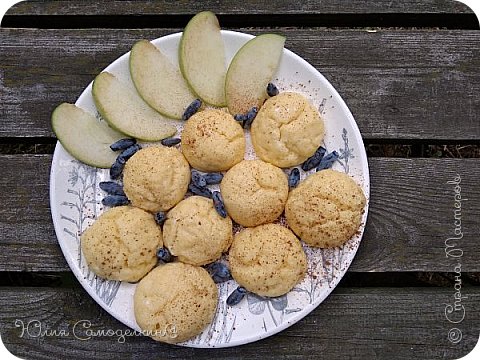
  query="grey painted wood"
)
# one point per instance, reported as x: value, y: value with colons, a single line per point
x: 410, y: 217
x: 406, y: 85
x: 90, y: 7
x: 357, y: 323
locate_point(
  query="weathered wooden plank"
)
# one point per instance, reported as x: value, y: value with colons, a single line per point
x: 27, y: 234
x: 360, y: 323
x: 144, y: 7
x: 407, y: 85
x: 26, y: 218
x: 411, y: 216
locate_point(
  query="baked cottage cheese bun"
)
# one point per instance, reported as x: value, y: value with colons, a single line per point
x: 195, y: 232
x: 175, y: 302
x: 156, y: 178
x: 213, y: 141
x: 254, y: 192
x: 287, y: 130
x: 326, y: 209
x: 122, y: 244
x: 267, y: 260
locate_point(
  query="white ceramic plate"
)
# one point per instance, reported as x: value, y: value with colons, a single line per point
x: 75, y: 200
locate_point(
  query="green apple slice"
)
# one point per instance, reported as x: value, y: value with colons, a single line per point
x: 122, y: 107
x: 158, y: 81
x: 202, y: 58
x: 251, y: 70
x: 83, y: 136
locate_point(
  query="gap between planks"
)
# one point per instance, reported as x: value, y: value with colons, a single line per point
x: 387, y: 20
x: 350, y: 280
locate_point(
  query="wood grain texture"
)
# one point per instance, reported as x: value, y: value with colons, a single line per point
x: 410, y: 217
x: 357, y: 323
x: 412, y: 214
x: 27, y: 220
x: 403, y: 85
x: 143, y: 7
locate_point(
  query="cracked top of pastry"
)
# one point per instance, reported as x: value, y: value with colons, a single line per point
x: 326, y: 209
x: 195, y: 233
x: 267, y: 260
x: 175, y: 302
x: 122, y: 244
x: 156, y: 178
x: 254, y: 192
x: 213, y: 141
x: 287, y: 130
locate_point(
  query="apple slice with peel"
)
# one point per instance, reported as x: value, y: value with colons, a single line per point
x: 202, y: 58
x: 251, y: 70
x: 158, y: 81
x: 83, y: 136
x: 122, y: 107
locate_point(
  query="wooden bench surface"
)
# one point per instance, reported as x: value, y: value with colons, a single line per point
x: 396, y: 78
x: 248, y: 7
x: 409, y: 72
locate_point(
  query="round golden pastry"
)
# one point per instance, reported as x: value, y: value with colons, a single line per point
x: 195, y: 232
x: 213, y: 141
x: 267, y: 260
x: 156, y: 178
x: 326, y: 209
x: 254, y: 192
x: 175, y: 302
x: 287, y: 130
x: 122, y: 244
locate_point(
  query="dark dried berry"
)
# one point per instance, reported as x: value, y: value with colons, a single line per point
x: 314, y: 160
x: 112, y: 188
x: 213, y: 178
x: 129, y: 152
x: 218, y: 204
x: 272, y: 90
x: 219, y: 272
x: 117, y: 168
x: 327, y: 161
x: 192, y: 109
x: 251, y: 114
x: 201, y: 191
x: 160, y: 217
x: 236, y: 296
x: 115, y: 200
x: 198, y: 179
x: 293, y: 178
x: 123, y: 144
x: 240, y: 117
x: 170, y: 141
x: 163, y: 254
